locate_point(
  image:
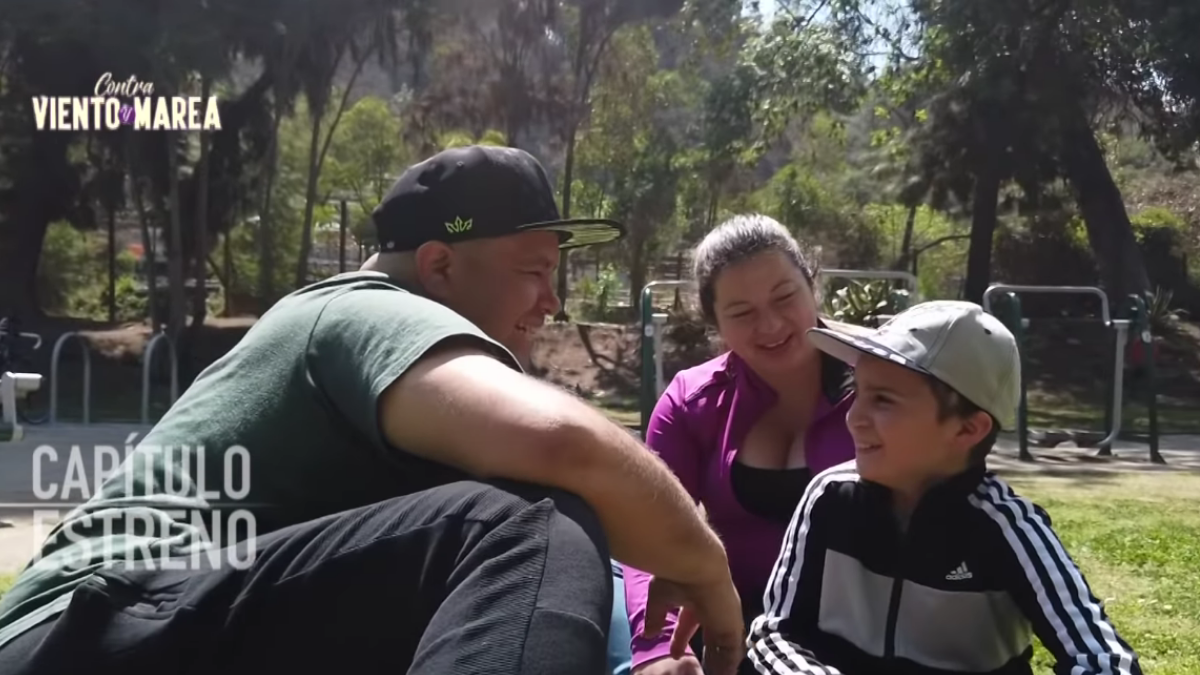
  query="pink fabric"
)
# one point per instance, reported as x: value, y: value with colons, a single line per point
x: 697, y: 428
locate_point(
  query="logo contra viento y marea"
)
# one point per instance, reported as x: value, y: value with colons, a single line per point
x: 130, y: 103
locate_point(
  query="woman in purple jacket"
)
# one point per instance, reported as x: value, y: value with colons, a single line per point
x: 746, y: 431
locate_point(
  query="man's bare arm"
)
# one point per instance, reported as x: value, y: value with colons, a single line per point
x: 461, y: 407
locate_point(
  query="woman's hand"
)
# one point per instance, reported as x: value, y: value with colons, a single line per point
x: 688, y: 665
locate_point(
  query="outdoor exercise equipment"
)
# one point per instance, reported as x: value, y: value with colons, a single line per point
x: 16, y: 385
x: 654, y: 326
x: 1012, y: 317
x: 13, y: 388
x: 87, y: 376
x: 147, y: 362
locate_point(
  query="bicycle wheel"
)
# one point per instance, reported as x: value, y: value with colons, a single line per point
x: 35, y: 409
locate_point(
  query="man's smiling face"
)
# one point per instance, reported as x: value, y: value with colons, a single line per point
x: 504, y: 285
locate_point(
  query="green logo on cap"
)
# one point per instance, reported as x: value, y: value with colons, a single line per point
x: 458, y: 226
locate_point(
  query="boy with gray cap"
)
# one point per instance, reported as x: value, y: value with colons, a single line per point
x: 915, y: 558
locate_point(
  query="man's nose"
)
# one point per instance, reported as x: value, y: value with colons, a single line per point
x: 548, y: 302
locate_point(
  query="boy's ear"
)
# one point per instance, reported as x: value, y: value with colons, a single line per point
x: 974, y: 429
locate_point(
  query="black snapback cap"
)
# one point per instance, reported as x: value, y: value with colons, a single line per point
x: 476, y: 192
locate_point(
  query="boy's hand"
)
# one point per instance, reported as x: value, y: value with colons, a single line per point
x: 688, y: 665
x: 715, y: 606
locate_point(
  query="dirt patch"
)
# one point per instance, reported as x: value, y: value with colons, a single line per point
x: 594, y: 360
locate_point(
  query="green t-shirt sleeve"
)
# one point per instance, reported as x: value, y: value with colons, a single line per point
x: 366, y: 338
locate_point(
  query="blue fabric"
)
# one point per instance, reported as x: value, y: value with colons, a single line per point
x: 620, y: 656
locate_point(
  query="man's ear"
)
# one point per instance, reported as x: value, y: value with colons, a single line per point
x: 433, y: 261
x: 974, y: 429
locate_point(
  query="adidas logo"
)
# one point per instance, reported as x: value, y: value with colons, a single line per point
x: 961, y: 572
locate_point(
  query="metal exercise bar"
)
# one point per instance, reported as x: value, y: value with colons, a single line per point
x: 147, y: 361
x: 1051, y: 290
x: 650, y: 338
x: 1122, y: 327
x: 87, y: 376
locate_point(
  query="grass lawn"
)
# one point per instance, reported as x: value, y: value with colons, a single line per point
x: 1059, y: 411
x: 1137, y: 539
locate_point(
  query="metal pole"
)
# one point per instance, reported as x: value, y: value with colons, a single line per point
x: 648, y: 394
x: 660, y: 323
x: 342, y: 236
x: 147, y: 361
x: 87, y: 377
x: 1117, y: 390
x: 1141, y: 328
x: 1016, y: 325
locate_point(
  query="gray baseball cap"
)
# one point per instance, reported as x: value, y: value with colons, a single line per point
x: 956, y: 342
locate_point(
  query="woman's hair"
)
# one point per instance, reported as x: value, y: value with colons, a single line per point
x: 735, y: 240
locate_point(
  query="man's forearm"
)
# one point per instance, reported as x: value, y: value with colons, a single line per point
x: 650, y: 519
x: 466, y: 410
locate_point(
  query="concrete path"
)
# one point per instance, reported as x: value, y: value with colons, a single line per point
x: 22, y: 478
x: 29, y: 486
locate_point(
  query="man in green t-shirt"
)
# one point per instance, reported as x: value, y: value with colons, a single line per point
x: 369, y: 482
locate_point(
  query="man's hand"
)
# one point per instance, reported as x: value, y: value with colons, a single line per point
x: 715, y: 606
x: 688, y: 665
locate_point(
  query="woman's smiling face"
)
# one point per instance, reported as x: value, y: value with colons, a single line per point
x: 764, y: 306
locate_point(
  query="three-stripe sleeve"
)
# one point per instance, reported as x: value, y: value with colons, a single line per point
x: 768, y: 645
x: 1051, y: 590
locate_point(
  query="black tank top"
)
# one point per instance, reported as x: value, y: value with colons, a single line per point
x: 769, y: 493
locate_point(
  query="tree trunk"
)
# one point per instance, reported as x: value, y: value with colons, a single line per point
x: 21, y: 242
x: 1122, y: 270
x: 564, y: 260
x: 983, y: 229
x: 200, y: 260
x: 112, y: 263
x: 149, y: 253
x: 906, y: 254
x: 37, y: 199
x: 310, y: 198
x: 266, y: 239
x: 637, y: 271
x: 316, y: 160
x: 177, y: 313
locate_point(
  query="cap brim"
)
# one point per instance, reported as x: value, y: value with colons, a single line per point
x: 850, y: 348
x: 580, y: 232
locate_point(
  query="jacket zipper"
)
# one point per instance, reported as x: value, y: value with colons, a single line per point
x: 889, y: 645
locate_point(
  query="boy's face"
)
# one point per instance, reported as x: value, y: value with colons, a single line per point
x: 899, y: 441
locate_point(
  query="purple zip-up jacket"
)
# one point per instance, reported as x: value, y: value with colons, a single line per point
x: 697, y: 428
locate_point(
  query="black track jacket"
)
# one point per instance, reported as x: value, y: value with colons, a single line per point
x: 959, y: 592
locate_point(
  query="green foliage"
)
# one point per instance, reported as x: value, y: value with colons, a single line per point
x: 938, y: 249
x: 366, y: 155
x: 458, y: 139
x: 1152, y: 226
x: 820, y: 217
x: 630, y: 161
x: 73, y: 276
x: 1163, y: 316
x: 862, y: 303
x: 596, y: 297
